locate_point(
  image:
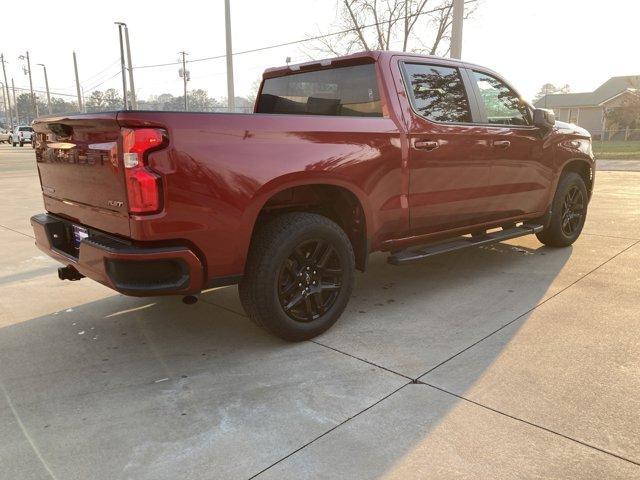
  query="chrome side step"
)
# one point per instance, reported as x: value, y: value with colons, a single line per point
x: 413, y: 254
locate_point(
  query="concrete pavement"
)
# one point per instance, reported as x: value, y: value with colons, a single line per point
x: 511, y: 361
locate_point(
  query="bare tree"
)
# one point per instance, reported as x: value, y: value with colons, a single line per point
x: 418, y: 25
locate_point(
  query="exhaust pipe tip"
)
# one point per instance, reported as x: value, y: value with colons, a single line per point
x: 189, y: 299
x: 69, y: 273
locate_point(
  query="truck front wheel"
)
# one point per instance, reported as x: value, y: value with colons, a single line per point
x: 568, y: 212
x: 299, y: 275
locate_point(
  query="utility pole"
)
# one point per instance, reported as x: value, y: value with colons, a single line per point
x: 6, y: 86
x: 122, y: 66
x: 13, y: 88
x: 46, y: 82
x: 456, y: 29
x: 186, y: 76
x: 75, y: 68
x: 34, y: 105
x: 4, y: 102
x: 231, y: 103
x: 134, y: 103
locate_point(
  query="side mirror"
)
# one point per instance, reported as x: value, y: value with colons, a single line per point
x: 544, y: 118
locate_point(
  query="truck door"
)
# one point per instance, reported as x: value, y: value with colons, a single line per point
x: 448, y: 163
x: 521, y: 172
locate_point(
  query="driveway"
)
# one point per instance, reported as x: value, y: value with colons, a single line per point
x: 509, y: 361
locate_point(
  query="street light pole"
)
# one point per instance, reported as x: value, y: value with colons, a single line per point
x: 6, y: 86
x: 134, y: 103
x: 46, y: 82
x: 75, y: 69
x: 122, y: 65
x: 227, y: 23
x: 456, y: 29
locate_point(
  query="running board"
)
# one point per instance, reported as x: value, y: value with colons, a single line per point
x: 460, y: 243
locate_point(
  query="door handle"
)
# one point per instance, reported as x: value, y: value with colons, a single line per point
x: 426, y: 144
x: 502, y: 143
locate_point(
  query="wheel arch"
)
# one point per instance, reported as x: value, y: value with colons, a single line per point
x: 584, y: 168
x: 320, y: 194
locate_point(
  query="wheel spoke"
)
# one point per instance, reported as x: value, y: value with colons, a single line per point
x: 308, y: 307
x: 299, y: 256
x: 329, y: 286
x: 332, y: 271
x: 316, y: 252
x: 297, y: 298
x: 289, y: 288
x: 325, y: 256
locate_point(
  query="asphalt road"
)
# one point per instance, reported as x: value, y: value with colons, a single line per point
x: 510, y: 361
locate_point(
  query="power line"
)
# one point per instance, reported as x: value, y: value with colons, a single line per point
x: 304, y: 40
x: 44, y: 91
x: 93, y: 77
x: 103, y: 82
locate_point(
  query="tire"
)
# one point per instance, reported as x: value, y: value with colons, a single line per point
x: 286, y: 257
x: 13, y: 144
x: 568, y: 212
x: 22, y: 144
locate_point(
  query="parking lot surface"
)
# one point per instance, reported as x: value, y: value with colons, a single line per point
x: 509, y: 361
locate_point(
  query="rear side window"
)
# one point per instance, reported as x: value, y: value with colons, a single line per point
x: 437, y: 92
x: 345, y: 91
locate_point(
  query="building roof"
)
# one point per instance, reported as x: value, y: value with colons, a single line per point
x: 608, y: 90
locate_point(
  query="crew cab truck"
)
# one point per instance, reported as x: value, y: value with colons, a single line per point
x: 375, y: 151
x: 21, y: 134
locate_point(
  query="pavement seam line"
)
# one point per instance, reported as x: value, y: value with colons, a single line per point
x: 546, y: 429
x: 330, y: 430
x: 16, y: 231
x: 608, y: 236
x: 224, y: 308
x: 529, y: 311
x: 34, y: 447
x: 363, y: 360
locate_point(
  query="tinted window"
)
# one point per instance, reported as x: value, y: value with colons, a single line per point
x: 503, y: 106
x: 437, y: 92
x: 345, y: 91
x: 25, y: 129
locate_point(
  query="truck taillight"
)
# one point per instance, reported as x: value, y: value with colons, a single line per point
x: 143, y: 185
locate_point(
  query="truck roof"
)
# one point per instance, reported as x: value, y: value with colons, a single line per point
x: 355, y: 58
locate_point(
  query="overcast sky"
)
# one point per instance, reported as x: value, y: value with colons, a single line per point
x: 579, y: 42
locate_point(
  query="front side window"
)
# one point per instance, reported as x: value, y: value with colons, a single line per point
x: 345, y: 91
x: 503, y: 105
x: 437, y: 92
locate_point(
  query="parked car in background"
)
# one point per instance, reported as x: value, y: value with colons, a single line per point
x: 376, y: 151
x: 5, y: 136
x: 21, y: 135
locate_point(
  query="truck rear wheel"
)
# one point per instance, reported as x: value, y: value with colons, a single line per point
x: 568, y: 212
x: 299, y: 276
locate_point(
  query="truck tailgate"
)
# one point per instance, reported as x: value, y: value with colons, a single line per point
x: 81, y: 170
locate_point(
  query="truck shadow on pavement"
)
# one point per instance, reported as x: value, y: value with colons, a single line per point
x: 151, y: 388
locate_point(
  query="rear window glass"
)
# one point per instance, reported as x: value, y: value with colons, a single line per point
x: 345, y: 91
x: 437, y: 92
x: 25, y: 129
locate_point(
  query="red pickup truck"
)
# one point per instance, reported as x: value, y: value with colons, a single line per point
x: 376, y: 151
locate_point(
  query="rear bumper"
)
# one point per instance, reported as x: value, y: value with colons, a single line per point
x: 122, y: 266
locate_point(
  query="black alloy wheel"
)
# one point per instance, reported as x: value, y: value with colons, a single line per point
x: 572, y: 211
x: 310, y: 280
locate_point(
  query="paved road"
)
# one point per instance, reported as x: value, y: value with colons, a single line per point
x: 511, y: 361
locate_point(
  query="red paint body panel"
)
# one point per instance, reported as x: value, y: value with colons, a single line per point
x: 219, y: 170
